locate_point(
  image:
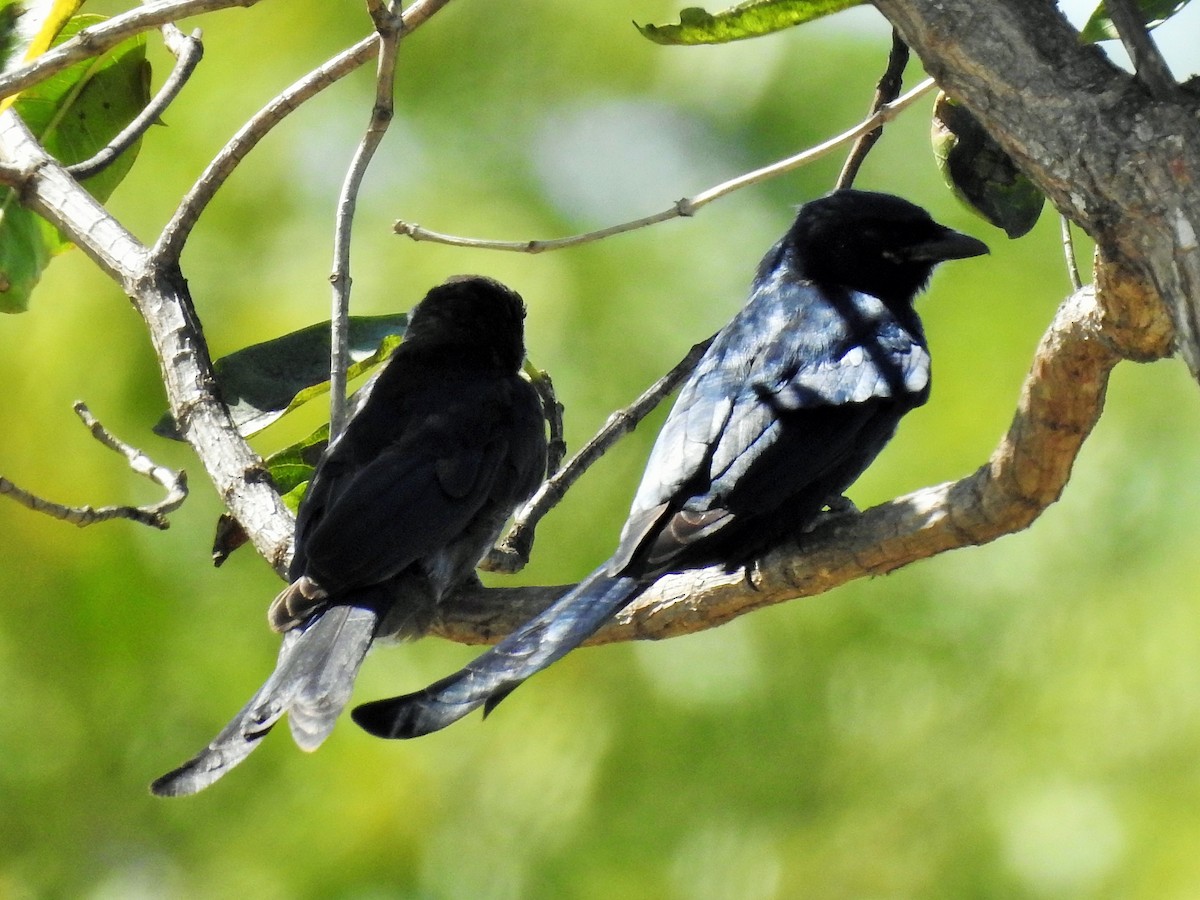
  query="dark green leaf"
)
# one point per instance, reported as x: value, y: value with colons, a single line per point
x: 746, y: 20
x: 1154, y: 12
x: 980, y: 173
x: 74, y: 114
x: 265, y: 381
x: 291, y: 468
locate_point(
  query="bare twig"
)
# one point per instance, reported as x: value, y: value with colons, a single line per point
x: 1069, y: 252
x: 175, y: 234
x: 686, y: 206
x: 1148, y: 62
x: 552, y: 410
x: 511, y: 554
x: 188, y: 50
x: 175, y: 484
x: 886, y: 91
x: 98, y: 38
x: 389, y: 26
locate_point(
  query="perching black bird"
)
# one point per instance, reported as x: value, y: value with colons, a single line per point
x: 792, y: 401
x: 399, y: 511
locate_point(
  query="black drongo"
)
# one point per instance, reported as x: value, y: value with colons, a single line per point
x: 400, y: 509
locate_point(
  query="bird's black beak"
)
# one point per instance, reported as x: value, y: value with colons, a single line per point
x: 950, y: 244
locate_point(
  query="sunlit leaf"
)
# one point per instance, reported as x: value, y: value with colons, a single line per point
x: 28, y: 28
x: 74, y: 114
x: 265, y: 381
x: 746, y: 20
x: 291, y: 468
x: 1100, y: 27
x: 980, y: 173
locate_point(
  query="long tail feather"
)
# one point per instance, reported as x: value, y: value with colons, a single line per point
x: 492, y: 676
x: 312, y: 681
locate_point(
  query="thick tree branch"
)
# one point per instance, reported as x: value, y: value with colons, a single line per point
x: 161, y: 297
x: 1125, y: 169
x: 1061, y: 400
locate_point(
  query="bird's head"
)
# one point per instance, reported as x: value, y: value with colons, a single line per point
x: 874, y: 243
x: 474, y: 318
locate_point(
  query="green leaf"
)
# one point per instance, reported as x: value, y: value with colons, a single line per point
x: 10, y: 39
x: 980, y: 173
x: 264, y: 382
x: 74, y: 114
x: 746, y: 20
x: 1154, y: 12
x: 291, y: 468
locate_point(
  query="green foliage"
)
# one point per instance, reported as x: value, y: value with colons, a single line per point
x: 979, y: 173
x: 1014, y: 720
x: 753, y: 18
x: 265, y: 381
x: 74, y: 114
x: 1100, y: 26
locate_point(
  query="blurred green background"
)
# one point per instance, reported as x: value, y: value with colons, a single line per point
x: 1017, y: 720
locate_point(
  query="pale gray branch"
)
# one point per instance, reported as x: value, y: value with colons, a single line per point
x: 389, y: 27
x: 98, y: 38
x: 154, y: 515
x: 188, y: 51
x: 688, y: 206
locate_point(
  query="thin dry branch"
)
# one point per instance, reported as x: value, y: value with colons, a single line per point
x: 886, y: 91
x: 1148, y: 62
x: 155, y: 515
x: 688, y: 206
x: 511, y: 554
x: 188, y: 51
x: 96, y: 39
x: 389, y: 26
x: 1061, y: 400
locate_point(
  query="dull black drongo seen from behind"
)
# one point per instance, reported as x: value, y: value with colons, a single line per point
x: 401, y: 508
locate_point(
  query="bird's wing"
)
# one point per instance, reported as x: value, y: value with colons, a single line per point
x: 410, y: 500
x: 798, y: 361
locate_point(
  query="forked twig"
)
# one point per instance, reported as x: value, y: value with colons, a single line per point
x: 188, y: 51
x: 154, y: 515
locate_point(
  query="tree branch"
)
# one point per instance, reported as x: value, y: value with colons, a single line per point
x: 188, y: 51
x: 96, y: 39
x: 1061, y: 400
x: 389, y: 26
x: 1148, y: 62
x: 1126, y: 171
x: 687, y: 206
x: 886, y: 91
x: 511, y: 554
x: 175, y: 234
x: 155, y: 515
x: 161, y: 297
